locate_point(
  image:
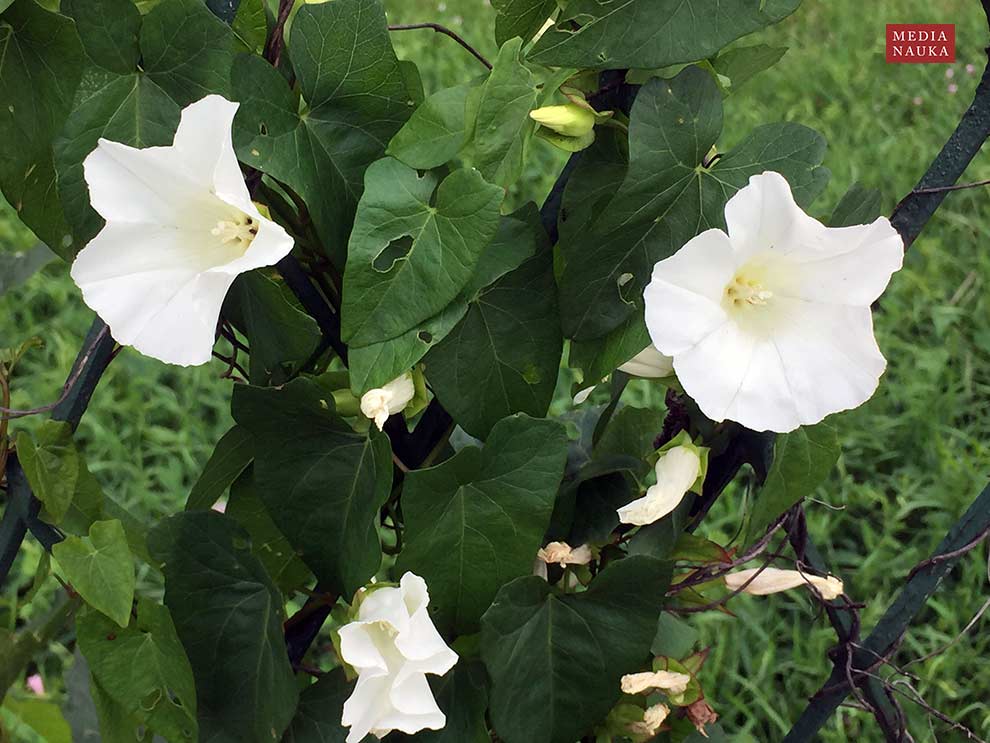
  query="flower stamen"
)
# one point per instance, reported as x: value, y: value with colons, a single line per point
x: 742, y: 291
x: 242, y: 230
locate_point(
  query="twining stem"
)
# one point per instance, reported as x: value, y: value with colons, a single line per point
x: 446, y: 32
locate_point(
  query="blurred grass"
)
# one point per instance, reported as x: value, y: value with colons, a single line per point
x: 913, y: 457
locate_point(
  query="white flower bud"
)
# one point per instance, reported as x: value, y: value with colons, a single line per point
x: 649, y: 364
x: 775, y: 580
x: 671, y: 682
x: 677, y: 470
x: 563, y: 554
x: 379, y: 404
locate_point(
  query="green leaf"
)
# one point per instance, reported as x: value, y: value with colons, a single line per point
x: 859, y: 205
x: 412, y: 251
x: 356, y: 97
x: 599, y: 357
x: 600, y: 172
x: 555, y: 659
x: 267, y: 542
x: 100, y: 568
x: 250, y: 24
x: 675, y: 638
x: 16, y: 268
x: 143, y: 669
x: 42, y: 716
x: 318, y: 715
x: 498, y: 117
x: 187, y: 51
x: 435, y: 132
x: 651, y: 33
x: 51, y: 463
x: 802, y: 460
x: 228, y: 615
x: 231, y: 456
x: 521, y: 18
x: 281, y: 336
x: 322, y: 483
x: 115, y: 725
x: 108, y: 30
x: 379, y: 363
x: 503, y: 357
x: 41, y: 61
x: 476, y: 521
x: 131, y: 109
x: 744, y: 62
x: 668, y: 197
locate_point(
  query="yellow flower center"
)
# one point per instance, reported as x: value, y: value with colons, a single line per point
x: 239, y: 231
x: 744, y: 291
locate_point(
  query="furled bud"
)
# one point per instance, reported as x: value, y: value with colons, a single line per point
x: 649, y: 364
x: 775, y: 580
x: 563, y: 554
x: 670, y: 682
x: 569, y: 119
x: 379, y: 404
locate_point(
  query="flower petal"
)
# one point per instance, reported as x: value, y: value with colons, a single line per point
x: 763, y: 218
x: 205, y: 145
x: 358, y: 648
x: 736, y: 375
x: 270, y: 245
x: 154, y: 297
x: 147, y: 186
x: 367, y: 704
x: 649, y: 364
x: 385, y: 605
x: 684, y: 297
x: 846, y: 265
x: 830, y: 356
x: 423, y: 644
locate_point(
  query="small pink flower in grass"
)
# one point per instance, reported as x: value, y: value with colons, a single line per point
x: 917, y: 100
x: 36, y: 684
x: 950, y: 73
x: 970, y: 69
x: 953, y: 88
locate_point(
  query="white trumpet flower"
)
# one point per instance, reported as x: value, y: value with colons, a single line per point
x: 392, y: 646
x: 770, y: 324
x: 180, y: 227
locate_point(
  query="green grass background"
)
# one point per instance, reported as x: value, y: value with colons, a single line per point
x: 913, y: 457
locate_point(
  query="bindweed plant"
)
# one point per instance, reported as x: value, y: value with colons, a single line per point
x: 396, y: 539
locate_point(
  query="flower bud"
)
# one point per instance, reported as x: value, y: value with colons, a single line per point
x: 649, y: 364
x: 670, y: 682
x: 379, y: 404
x: 775, y: 580
x: 653, y: 719
x: 563, y: 554
x: 570, y: 119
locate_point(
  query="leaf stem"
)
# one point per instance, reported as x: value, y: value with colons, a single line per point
x: 446, y: 32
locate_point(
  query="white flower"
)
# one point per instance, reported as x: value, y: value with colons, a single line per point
x: 770, y: 324
x: 649, y: 364
x: 563, y: 554
x: 668, y: 681
x: 677, y: 470
x: 180, y: 227
x: 775, y: 580
x: 653, y: 719
x: 393, y: 645
x: 379, y: 404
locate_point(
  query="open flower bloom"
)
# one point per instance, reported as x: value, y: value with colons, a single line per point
x: 180, y: 227
x: 379, y: 404
x: 653, y: 719
x: 775, y: 580
x: 670, y: 682
x: 649, y: 364
x: 563, y: 554
x: 392, y: 646
x: 770, y: 324
x: 677, y: 472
